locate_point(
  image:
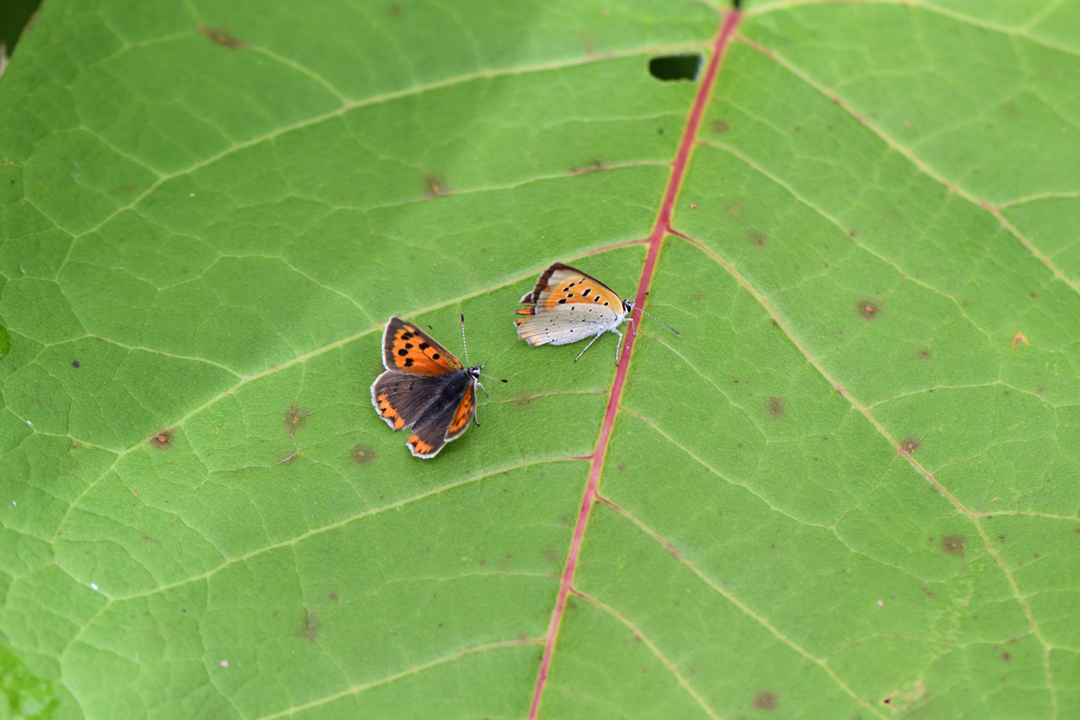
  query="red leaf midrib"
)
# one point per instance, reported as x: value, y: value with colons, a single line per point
x: 656, y: 237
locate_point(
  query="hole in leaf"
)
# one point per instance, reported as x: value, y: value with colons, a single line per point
x: 16, y: 17
x: 670, y: 68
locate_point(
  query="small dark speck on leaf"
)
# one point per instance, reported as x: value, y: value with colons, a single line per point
x: 74, y: 363
x: 765, y: 701
x: 953, y: 545
x: 923, y: 353
x: 363, y: 454
x: 910, y: 444
x: 775, y: 406
x: 758, y: 239
x: 221, y: 37
x: 1006, y: 657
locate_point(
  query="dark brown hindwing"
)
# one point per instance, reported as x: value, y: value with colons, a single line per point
x: 433, y: 428
x: 402, y: 398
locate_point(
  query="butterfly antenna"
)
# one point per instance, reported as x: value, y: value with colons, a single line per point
x: 466, y: 349
x: 463, y: 345
x: 653, y: 316
x: 661, y: 322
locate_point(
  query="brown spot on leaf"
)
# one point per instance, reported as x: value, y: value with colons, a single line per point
x: 333, y: 597
x: 311, y: 627
x: 923, y: 353
x: 295, y: 419
x: 765, y: 701
x: 775, y: 406
x: 893, y: 217
x: 435, y: 186
x: 719, y: 126
x: 758, y: 239
x: 362, y: 454
x: 910, y: 444
x: 697, y: 295
x: 162, y: 440
x: 591, y: 167
x: 869, y: 309
x: 221, y: 37
x: 1009, y: 111
x: 1006, y: 657
x: 1019, y: 341
x: 393, y: 10
x: 953, y: 545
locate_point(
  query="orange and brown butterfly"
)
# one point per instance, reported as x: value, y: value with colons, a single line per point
x: 568, y: 305
x: 424, y: 387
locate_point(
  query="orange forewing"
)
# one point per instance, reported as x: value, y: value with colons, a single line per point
x: 580, y: 289
x: 410, y: 349
x: 563, y: 285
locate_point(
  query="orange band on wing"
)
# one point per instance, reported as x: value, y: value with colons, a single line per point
x: 419, y: 446
x: 463, y: 414
x: 387, y: 411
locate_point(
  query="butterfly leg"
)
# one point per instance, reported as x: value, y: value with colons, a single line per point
x: 618, y: 348
x: 475, y: 413
x: 595, y: 338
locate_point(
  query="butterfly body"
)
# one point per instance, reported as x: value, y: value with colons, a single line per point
x: 424, y: 387
x: 568, y: 305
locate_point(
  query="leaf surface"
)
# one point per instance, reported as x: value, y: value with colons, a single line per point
x: 849, y: 488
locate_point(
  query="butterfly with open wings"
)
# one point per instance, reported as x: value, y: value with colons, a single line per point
x: 425, y: 387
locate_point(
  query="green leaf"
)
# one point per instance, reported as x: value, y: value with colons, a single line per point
x: 849, y: 487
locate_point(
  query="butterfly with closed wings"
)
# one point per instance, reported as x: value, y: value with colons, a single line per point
x: 425, y: 387
x: 568, y: 305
